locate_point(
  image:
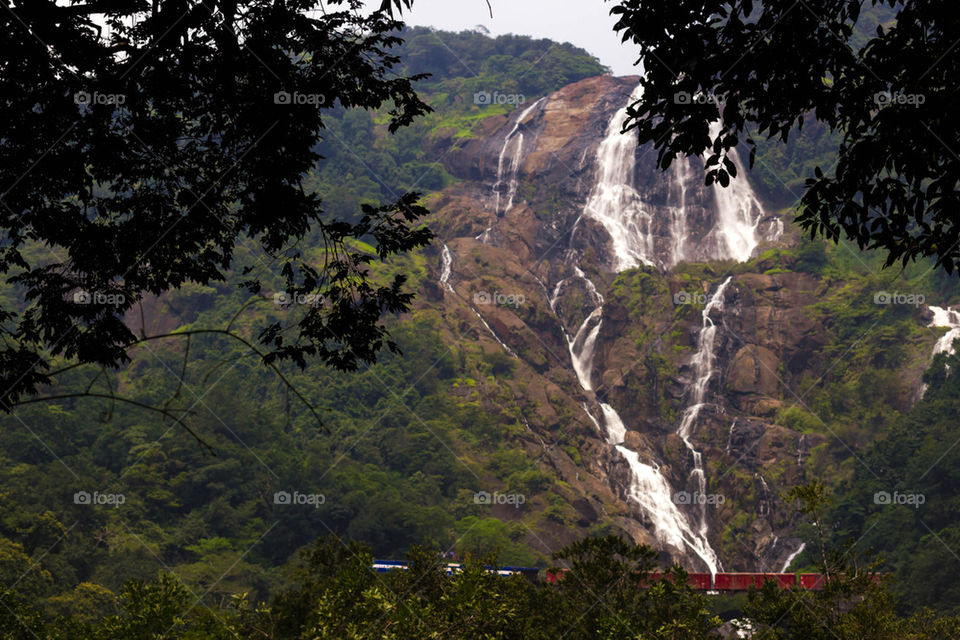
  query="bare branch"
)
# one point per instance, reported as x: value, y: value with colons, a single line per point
x: 116, y: 398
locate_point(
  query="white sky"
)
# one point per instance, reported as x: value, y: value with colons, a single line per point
x: 584, y: 23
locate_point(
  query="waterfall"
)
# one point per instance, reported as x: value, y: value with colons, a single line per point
x: 494, y: 334
x: 730, y: 436
x: 644, y: 233
x: 792, y: 557
x: 582, y: 347
x: 446, y: 271
x: 703, y: 362
x: 514, y: 139
x: 584, y: 342
x: 648, y: 488
x: 652, y: 492
x: 944, y: 318
x: 446, y: 268
x: 556, y: 294
x: 682, y: 174
x: 485, y: 236
x: 738, y: 213
x: 614, y: 202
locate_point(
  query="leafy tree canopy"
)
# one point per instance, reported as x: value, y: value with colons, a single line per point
x: 144, y: 141
x: 882, y: 75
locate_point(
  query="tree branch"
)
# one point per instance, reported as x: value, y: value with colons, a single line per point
x: 252, y: 348
x: 115, y: 398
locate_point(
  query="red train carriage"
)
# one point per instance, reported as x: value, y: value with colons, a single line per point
x: 699, y: 581
x: 726, y: 581
x: 743, y: 581
x: 812, y: 581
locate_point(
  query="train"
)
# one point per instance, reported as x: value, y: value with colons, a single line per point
x: 531, y: 573
x: 729, y: 581
x: 720, y: 582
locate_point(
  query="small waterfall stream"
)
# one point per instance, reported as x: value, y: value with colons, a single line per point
x: 446, y: 268
x: 738, y: 214
x: 944, y: 318
x: 733, y: 427
x: 446, y: 272
x: 681, y: 175
x: 703, y: 362
x: 792, y: 557
x: 648, y: 487
x: 512, y: 147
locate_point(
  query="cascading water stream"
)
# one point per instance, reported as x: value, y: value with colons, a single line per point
x: 514, y: 139
x: 446, y: 271
x: 792, y: 557
x: 583, y: 343
x: 681, y: 174
x: 704, y: 361
x: 648, y: 487
x: 738, y: 213
x: 494, y: 334
x: 446, y: 268
x: 615, y: 203
x: 733, y: 426
x: 638, y: 237
x: 944, y: 318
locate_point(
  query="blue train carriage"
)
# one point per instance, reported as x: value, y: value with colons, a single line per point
x: 530, y: 573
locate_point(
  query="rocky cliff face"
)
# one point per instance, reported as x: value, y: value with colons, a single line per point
x: 648, y: 385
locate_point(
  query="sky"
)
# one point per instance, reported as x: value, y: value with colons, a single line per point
x: 585, y: 23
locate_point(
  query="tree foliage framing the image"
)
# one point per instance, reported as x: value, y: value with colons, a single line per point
x: 145, y: 142
x: 882, y: 74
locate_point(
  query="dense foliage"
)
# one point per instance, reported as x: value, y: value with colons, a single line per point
x: 364, y: 165
x: 917, y: 531
x: 402, y: 454
x: 606, y: 594
x: 139, y: 157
